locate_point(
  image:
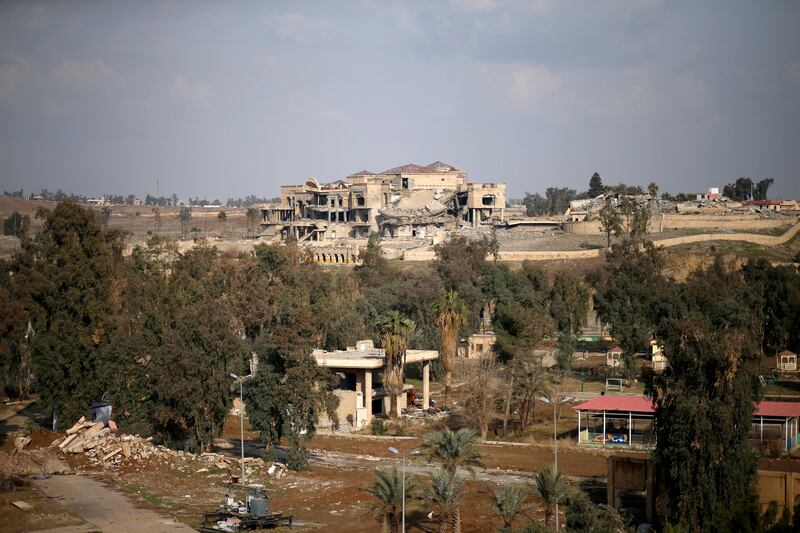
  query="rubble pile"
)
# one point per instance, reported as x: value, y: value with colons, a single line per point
x: 103, y: 446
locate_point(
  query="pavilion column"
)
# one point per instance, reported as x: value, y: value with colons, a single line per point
x: 368, y: 393
x: 604, y: 429
x: 761, y: 427
x: 426, y: 384
x: 630, y: 430
x: 579, y: 427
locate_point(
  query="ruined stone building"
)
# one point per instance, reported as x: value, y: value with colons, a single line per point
x: 406, y: 201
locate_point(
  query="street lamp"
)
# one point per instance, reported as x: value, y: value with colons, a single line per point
x: 241, y: 413
x: 555, y: 402
x: 395, y: 451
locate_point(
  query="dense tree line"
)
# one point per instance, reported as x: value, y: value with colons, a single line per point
x: 715, y: 328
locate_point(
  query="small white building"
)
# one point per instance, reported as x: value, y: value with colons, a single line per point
x: 614, y: 357
x: 786, y: 361
x: 356, y: 367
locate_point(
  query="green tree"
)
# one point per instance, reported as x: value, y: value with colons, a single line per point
x: 388, y: 490
x: 17, y: 225
x: 551, y: 487
x: 509, y: 504
x: 610, y: 220
x: 446, y: 493
x: 451, y: 318
x: 652, y: 189
x: 704, y: 400
x: 740, y: 190
x: 452, y: 449
x: 67, y: 276
x: 761, y: 188
x: 185, y: 217
x: 558, y: 199
x: 582, y: 516
x: 535, y: 205
x: 595, y: 186
x: 395, y: 330
x: 222, y: 217
x: 569, y: 302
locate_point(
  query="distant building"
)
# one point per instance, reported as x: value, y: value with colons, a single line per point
x: 481, y: 344
x: 712, y: 194
x: 786, y: 361
x: 98, y: 201
x: 409, y: 201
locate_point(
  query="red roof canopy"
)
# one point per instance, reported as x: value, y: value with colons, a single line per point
x: 641, y: 404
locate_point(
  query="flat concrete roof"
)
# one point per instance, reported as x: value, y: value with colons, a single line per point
x: 373, y: 358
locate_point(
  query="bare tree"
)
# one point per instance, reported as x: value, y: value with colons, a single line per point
x: 481, y: 389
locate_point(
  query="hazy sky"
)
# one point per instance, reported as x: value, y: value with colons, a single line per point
x: 228, y: 98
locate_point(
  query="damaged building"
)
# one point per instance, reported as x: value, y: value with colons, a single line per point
x: 409, y: 201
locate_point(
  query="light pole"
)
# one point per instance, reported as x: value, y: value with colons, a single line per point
x: 395, y: 451
x: 555, y: 403
x: 241, y: 413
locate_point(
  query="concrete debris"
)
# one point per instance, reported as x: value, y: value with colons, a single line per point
x: 21, y: 441
x: 25, y: 506
x: 277, y: 470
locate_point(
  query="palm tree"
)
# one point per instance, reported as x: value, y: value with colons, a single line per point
x: 551, y: 487
x: 394, y: 332
x: 509, y: 503
x: 388, y: 489
x: 445, y: 494
x: 252, y: 216
x: 451, y: 317
x: 453, y: 449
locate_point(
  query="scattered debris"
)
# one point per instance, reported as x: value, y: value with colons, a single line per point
x: 25, y: 506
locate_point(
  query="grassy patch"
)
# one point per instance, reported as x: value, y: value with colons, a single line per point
x: 144, y: 494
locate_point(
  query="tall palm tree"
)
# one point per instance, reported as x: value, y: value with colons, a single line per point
x: 509, y: 503
x: 451, y: 317
x: 552, y: 488
x: 445, y: 494
x: 452, y: 449
x: 252, y: 216
x: 388, y: 489
x: 394, y: 331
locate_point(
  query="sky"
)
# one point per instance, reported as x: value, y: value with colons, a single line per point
x: 229, y: 98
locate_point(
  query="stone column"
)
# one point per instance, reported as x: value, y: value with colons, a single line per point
x: 426, y: 384
x: 368, y: 393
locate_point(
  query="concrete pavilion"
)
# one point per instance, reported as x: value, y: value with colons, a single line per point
x: 628, y: 421
x: 360, y: 396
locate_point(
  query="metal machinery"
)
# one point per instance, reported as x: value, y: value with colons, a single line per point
x: 244, y: 515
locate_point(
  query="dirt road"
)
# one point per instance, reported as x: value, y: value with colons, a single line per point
x: 105, y: 509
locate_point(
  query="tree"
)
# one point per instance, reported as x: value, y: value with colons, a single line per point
x: 558, y: 199
x: 481, y: 392
x: 67, y: 277
x: 761, y: 188
x: 446, y: 493
x: 529, y: 383
x: 569, y: 302
x: 582, y: 516
x: 252, y: 218
x: 595, y: 186
x: 551, y: 487
x: 17, y: 225
x: 704, y: 399
x: 653, y: 189
x: 509, y: 504
x: 223, y: 220
x: 185, y: 217
x: 453, y: 449
x: 535, y: 205
x: 610, y: 220
x: 740, y: 190
x: 105, y: 215
x: 388, y: 489
x: 451, y: 317
x: 395, y: 330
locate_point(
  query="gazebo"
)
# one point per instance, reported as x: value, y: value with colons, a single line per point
x: 628, y: 421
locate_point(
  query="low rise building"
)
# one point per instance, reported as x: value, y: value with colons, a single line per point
x: 360, y: 393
